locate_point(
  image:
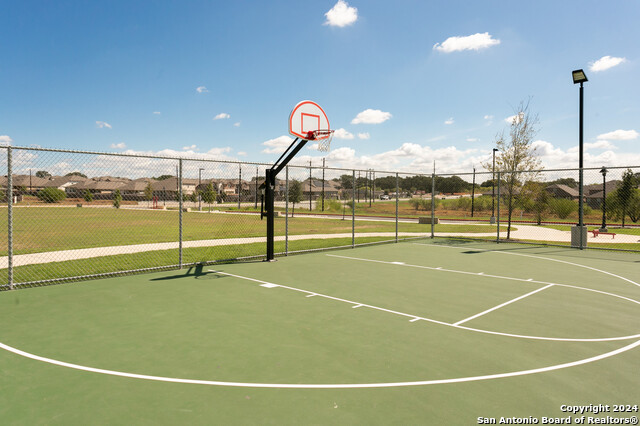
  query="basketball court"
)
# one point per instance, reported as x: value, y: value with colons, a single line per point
x: 423, y: 331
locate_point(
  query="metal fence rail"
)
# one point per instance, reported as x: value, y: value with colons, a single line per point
x: 75, y: 215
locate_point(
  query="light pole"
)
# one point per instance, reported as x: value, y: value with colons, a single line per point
x: 604, y: 171
x: 493, y: 189
x: 200, y: 189
x: 580, y: 77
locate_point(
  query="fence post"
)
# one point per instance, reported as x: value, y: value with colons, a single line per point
x: 433, y: 202
x: 397, y: 190
x: 180, y: 214
x: 498, y: 208
x: 286, y: 211
x: 353, y: 212
x: 10, y: 218
x: 239, y: 183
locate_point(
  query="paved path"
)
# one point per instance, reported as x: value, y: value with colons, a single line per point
x: 519, y: 232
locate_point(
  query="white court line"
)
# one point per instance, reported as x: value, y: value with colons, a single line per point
x: 535, y: 257
x: 477, y: 330
x: 502, y: 305
x: 318, y: 386
x: 440, y: 269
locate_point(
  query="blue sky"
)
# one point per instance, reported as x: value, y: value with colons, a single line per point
x: 428, y: 80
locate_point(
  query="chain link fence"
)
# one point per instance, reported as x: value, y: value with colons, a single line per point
x: 74, y: 215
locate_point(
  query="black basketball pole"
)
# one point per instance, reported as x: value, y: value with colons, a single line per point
x: 269, y: 193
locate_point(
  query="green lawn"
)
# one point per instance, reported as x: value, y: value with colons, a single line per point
x: 49, y: 228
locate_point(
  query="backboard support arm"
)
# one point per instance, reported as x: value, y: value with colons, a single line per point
x: 269, y: 192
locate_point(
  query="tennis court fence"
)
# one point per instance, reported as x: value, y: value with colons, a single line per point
x: 73, y: 215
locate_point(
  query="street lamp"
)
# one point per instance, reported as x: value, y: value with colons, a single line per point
x: 580, y: 77
x: 493, y: 189
x: 200, y: 189
x: 604, y: 171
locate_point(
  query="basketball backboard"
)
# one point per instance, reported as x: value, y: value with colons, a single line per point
x: 307, y: 116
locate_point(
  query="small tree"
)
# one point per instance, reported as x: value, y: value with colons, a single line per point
x: 88, y: 196
x: 534, y: 199
x: 209, y: 195
x: 295, y: 194
x: 625, y: 193
x: 517, y: 159
x: 51, y: 195
x: 148, y: 194
x: 117, y: 199
x: 43, y: 174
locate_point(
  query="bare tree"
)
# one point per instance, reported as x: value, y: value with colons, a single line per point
x: 517, y: 161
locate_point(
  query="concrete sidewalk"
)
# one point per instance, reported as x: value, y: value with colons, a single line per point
x: 519, y: 232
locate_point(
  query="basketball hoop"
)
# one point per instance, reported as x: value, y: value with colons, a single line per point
x: 323, y: 137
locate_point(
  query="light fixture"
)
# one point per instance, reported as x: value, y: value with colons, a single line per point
x: 579, y: 76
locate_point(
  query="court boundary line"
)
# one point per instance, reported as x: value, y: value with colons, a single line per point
x: 431, y: 320
x: 482, y: 274
x: 536, y: 257
x: 321, y: 386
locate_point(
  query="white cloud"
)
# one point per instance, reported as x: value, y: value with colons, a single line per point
x: 341, y: 15
x: 473, y: 42
x: 102, y: 125
x: 222, y: 116
x: 364, y: 135
x: 449, y: 121
x: 236, y: 124
x: 277, y: 145
x: 190, y: 148
x: 601, y: 144
x: 242, y: 153
x: 619, y: 135
x: 472, y: 139
x: 201, y: 89
x: 157, y: 112
x: 5, y: 140
x: 342, y: 134
x: 371, y: 116
x: 605, y: 63
x: 120, y: 145
x: 488, y: 117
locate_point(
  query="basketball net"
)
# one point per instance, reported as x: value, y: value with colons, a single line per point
x: 322, y: 137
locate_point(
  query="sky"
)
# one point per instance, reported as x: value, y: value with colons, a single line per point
x: 403, y: 83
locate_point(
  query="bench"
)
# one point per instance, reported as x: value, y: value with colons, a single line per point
x: 596, y: 233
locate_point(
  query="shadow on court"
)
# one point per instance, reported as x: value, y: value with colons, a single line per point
x: 195, y: 271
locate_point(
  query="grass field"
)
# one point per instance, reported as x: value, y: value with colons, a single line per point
x: 49, y: 229
x: 419, y: 332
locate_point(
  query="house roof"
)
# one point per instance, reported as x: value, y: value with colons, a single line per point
x: 558, y: 187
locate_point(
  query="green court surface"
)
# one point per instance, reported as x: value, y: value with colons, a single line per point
x: 422, y: 332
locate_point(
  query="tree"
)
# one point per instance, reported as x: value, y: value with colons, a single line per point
x: 163, y: 177
x: 76, y: 174
x: 51, y: 195
x: 517, y: 160
x: 209, y: 195
x: 535, y: 199
x: 117, y: 199
x: 148, y: 193
x: 295, y: 193
x: 43, y: 174
x: 88, y: 196
x: 625, y: 192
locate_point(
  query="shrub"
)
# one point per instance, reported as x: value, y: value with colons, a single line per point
x: 117, y: 199
x: 88, y: 196
x: 562, y: 207
x: 51, y: 195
